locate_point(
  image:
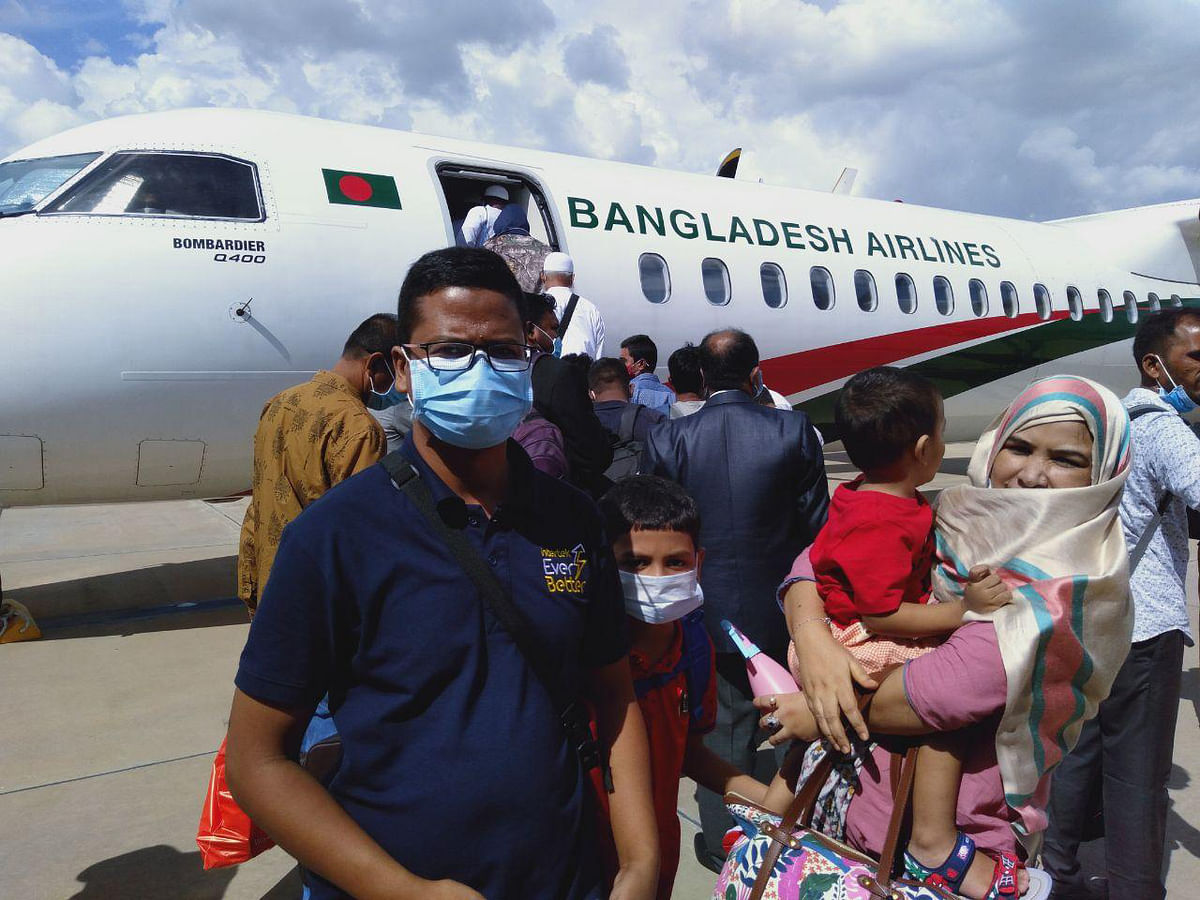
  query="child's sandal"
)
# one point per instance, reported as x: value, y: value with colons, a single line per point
x: 951, y: 872
x: 1004, y: 878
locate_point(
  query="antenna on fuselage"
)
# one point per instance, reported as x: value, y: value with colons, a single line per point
x: 845, y: 181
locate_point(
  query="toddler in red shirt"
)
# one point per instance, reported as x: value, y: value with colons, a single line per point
x: 873, y: 557
x: 654, y: 525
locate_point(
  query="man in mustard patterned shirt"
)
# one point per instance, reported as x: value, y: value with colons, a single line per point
x: 309, y: 438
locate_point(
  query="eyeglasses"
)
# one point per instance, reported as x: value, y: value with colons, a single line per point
x: 458, y: 356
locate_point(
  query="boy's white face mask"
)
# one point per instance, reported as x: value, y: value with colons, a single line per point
x: 661, y: 598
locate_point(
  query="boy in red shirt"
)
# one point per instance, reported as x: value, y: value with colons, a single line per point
x: 653, y: 524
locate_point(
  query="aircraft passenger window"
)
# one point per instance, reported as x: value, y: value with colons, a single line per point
x: 716, y: 281
x: 979, y: 301
x: 906, y: 294
x: 822, y: 287
x: 1176, y: 301
x: 943, y: 295
x: 1074, y: 302
x: 1155, y: 303
x: 1106, y: 307
x: 864, y: 288
x: 188, y: 185
x: 655, y: 277
x: 24, y: 183
x: 774, y: 285
x: 1041, y: 296
x: 1131, y: 310
x: 1008, y: 299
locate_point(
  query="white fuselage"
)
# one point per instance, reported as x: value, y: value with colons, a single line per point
x: 128, y: 375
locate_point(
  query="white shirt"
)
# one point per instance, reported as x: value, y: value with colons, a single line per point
x: 1166, y: 460
x: 586, y: 331
x: 477, y: 226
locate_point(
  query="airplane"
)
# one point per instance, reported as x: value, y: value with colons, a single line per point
x: 163, y: 275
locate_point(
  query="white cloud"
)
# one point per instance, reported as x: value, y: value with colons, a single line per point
x: 1018, y: 108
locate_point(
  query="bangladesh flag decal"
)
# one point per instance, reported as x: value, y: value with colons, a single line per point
x: 361, y: 189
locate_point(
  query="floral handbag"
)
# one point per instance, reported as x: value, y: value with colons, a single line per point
x: 785, y: 859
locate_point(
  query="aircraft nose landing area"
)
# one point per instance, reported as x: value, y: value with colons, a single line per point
x: 110, y: 722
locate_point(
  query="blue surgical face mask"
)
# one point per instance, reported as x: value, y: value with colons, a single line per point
x: 1177, y: 397
x: 557, y: 342
x: 387, y: 399
x: 470, y: 408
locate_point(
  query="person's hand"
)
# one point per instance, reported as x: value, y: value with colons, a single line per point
x: 787, y: 718
x: 449, y: 890
x: 635, y: 882
x: 828, y: 674
x: 984, y: 592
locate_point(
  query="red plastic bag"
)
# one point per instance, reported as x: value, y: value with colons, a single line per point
x: 226, y: 835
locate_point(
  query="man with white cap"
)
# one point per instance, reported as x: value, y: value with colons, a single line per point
x: 579, y: 322
x: 478, y: 225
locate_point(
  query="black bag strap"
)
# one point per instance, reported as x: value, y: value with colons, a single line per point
x: 628, y: 419
x: 496, y: 598
x: 565, y: 322
x: 1139, y: 549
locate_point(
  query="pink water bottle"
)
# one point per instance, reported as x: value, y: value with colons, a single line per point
x: 767, y: 677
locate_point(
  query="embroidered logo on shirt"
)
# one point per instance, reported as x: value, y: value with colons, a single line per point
x: 564, y: 570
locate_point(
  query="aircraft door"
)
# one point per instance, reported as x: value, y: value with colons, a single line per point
x: 462, y: 189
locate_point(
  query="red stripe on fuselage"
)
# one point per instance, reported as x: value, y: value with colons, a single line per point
x: 821, y: 365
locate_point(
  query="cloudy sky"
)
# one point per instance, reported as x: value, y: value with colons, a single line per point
x: 1027, y: 108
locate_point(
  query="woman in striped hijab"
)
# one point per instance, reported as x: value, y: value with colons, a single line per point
x: 1063, y: 555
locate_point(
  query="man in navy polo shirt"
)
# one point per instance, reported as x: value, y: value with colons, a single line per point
x: 456, y: 778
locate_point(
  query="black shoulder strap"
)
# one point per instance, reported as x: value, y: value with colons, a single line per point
x: 574, y: 717
x: 495, y: 597
x: 565, y: 322
x: 628, y: 419
x: 1136, y: 412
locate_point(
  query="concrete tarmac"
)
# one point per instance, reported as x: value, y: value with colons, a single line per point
x: 111, y: 721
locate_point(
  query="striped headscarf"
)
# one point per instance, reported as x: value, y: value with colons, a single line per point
x: 1063, y: 555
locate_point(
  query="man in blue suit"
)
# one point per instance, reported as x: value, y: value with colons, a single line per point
x: 758, y: 476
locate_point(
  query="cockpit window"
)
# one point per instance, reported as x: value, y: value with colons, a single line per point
x: 24, y: 183
x: 189, y: 185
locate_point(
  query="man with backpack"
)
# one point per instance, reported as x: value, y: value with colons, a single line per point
x: 627, y: 423
x: 581, y: 326
x: 1124, y: 753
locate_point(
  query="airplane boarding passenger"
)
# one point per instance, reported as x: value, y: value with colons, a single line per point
x: 311, y: 437
x: 640, y: 355
x: 480, y: 222
x: 581, y: 323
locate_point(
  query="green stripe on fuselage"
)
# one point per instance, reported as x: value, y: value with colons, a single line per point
x: 961, y: 370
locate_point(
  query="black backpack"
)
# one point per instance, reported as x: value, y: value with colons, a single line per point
x: 627, y: 452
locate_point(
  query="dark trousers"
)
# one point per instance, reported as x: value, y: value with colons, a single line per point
x: 1125, y: 754
x: 735, y: 739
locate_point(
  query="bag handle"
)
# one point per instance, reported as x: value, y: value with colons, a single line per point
x: 800, y: 813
